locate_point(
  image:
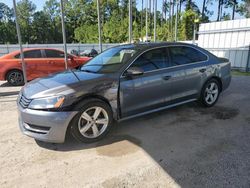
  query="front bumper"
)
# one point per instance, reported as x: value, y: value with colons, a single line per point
x: 44, y: 125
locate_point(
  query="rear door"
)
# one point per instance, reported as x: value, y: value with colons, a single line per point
x: 145, y: 92
x: 186, y: 70
x: 34, y: 64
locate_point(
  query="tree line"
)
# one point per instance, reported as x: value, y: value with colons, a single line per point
x: 44, y: 26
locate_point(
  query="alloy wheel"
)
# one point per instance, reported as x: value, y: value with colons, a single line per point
x: 15, y: 78
x: 211, y: 93
x: 93, y: 122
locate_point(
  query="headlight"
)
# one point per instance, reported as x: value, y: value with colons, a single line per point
x: 45, y: 103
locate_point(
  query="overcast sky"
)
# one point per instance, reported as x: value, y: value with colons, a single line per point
x: 40, y: 3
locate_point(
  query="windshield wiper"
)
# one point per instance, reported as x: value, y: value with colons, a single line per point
x: 118, y: 63
x: 90, y: 71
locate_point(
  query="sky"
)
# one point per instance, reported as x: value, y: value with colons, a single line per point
x: 40, y: 3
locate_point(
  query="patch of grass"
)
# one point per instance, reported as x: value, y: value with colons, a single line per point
x: 240, y: 73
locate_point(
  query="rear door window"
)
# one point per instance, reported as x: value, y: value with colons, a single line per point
x: 54, y: 54
x: 181, y: 55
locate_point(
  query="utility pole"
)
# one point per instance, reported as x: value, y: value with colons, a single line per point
x: 196, y: 21
x: 141, y: 18
x: 146, y: 20
x: 130, y: 21
x: 20, y: 42
x: 64, y: 36
x: 99, y: 26
x: 149, y: 21
x: 155, y: 11
x: 176, y: 21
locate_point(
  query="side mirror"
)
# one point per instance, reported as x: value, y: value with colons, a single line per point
x: 70, y: 57
x: 133, y: 71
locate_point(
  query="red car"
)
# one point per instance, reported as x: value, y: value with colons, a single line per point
x: 39, y: 63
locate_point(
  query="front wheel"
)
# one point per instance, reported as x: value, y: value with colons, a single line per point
x: 210, y: 93
x: 93, y: 121
x: 15, y: 78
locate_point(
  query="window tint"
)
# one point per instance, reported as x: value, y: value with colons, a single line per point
x: 181, y: 55
x: 152, y: 60
x: 54, y: 54
x: 31, y: 54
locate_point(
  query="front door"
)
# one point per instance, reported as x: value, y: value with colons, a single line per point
x: 55, y: 61
x: 143, y: 93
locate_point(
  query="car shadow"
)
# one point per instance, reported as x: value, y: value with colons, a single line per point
x: 6, y: 84
x: 120, y: 131
x: 195, y: 146
x: 10, y: 93
x: 188, y: 142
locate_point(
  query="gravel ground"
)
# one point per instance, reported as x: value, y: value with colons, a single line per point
x: 187, y: 146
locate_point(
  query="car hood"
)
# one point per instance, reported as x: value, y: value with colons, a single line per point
x: 72, y: 82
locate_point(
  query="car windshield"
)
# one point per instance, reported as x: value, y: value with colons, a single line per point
x: 109, y: 61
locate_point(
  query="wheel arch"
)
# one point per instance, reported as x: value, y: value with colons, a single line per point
x: 76, y: 106
x: 95, y: 96
x: 217, y: 79
x: 6, y: 72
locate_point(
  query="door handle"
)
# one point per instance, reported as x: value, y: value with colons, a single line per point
x: 51, y: 62
x: 202, y: 70
x: 166, y: 77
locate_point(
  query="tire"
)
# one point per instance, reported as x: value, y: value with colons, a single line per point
x: 15, y: 78
x: 210, y: 93
x: 93, y: 122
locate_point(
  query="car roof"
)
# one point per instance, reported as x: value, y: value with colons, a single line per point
x: 148, y: 45
x: 14, y: 53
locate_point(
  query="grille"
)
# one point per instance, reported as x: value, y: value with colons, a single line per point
x: 24, y: 102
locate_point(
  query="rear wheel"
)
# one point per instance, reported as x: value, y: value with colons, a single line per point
x: 15, y: 78
x: 93, y: 121
x: 210, y: 93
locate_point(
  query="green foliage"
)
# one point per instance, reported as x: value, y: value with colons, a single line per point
x: 41, y: 21
x: 187, y: 26
x: 87, y: 34
x: 25, y: 11
x: 115, y: 30
x: 244, y: 8
x: 81, y: 20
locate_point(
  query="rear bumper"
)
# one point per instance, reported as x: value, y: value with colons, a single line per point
x: 43, y: 125
x: 226, y: 82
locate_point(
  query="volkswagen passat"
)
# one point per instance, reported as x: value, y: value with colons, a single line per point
x: 122, y: 82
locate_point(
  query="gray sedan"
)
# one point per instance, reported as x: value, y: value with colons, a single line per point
x: 123, y: 82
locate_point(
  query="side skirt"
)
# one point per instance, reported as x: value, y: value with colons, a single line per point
x: 158, y: 109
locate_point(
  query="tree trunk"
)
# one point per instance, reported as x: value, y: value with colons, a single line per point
x: 162, y: 10
x: 172, y: 19
x: 234, y: 5
x: 149, y: 17
x: 221, y: 8
x: 203, y: 10
x: 218, y: 13
x: 141, y: 17
x: 180, y: 6
x: 169, y: 18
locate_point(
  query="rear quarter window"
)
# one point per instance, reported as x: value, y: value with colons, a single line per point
x: 54, y: 54
x: 181, y: 55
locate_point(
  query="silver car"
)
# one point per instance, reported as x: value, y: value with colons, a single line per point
x: 123, y: 82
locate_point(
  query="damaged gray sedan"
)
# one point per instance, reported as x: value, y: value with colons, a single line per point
x: 123, y: 82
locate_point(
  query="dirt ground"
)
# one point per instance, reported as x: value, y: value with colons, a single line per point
x: 187, y: 146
